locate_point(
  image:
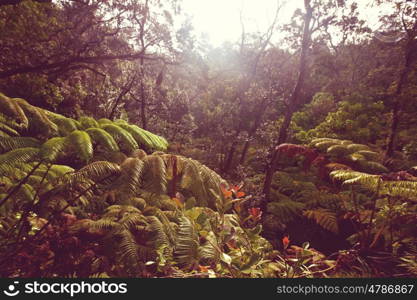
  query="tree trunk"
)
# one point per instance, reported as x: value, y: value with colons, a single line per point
x: 292, y: 104
x: 143, y: 106
x: 229, y: 159
x: 398, y: 104
x: 244, y: 152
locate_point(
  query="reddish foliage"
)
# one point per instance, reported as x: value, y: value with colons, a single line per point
x: 292, y: 150
x: 285, y: 241
x: 396, y: 176
x: 255, y: 213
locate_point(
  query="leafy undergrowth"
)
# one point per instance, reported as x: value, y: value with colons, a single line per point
x: 101, y: 198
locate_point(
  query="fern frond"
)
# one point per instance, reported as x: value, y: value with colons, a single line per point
x: 160, y: 239
x: 285, y: 211
x: 324, y: 145
x: 65, y: 125
x: 131, y: 177
x: 369, y: 155
x: 12, y: 143
x: 374, y: 183
x: 104, y: 121
x: 81, y: 143
x: 53, y: 148
x: 325, y: 218
x: 125, y: 140
x: 154, y: 175
x: 17, y: 156
x: 338, y: 150
x: 186, y: 250
x: 372, y: 167
x: 25, y: 194
x: 138, y: 153
x: 138, y: 135
x: 103, y: 138
x: 353, y: 177
x: 128, y: 249
x: 95, y: 171
x: 358, y: 147
x: 39, y: 121
x: 208, y: 252
x: 14, y: 112
x: 7, y: 131
x: 91, y: 225
x: 88, y: 122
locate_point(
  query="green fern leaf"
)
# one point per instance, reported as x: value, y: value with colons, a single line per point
x: 125, y: 140
x: 81, y: 143
x: 88, y: 122
x: 103, y: 138
x: 186, y: 250
x: 131, y: 177
x: 12, y: 143
x: 14, y: 112
x: 22, y: 155
x: 154, y: 175
x: 53, y: 148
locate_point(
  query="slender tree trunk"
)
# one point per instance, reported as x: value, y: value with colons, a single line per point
x: 143, y: 106
x: 292, y: 104
x: 254, y: 128
x: 229, y: 158
x: 143, y: 103
x: 124, y: 91
x: 398, y: 104
x: 244, y: 152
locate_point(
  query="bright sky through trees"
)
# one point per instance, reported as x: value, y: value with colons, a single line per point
x: 220, y: 19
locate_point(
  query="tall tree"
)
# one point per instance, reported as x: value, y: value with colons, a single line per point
x: 294, y: 100
x: 407, y: 12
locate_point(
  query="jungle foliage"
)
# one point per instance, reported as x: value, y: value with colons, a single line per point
x: 131, y: 147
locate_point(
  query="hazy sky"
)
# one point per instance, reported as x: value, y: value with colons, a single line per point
x: 220, y: 19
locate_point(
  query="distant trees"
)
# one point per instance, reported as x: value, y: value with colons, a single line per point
x: 71, y: 50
